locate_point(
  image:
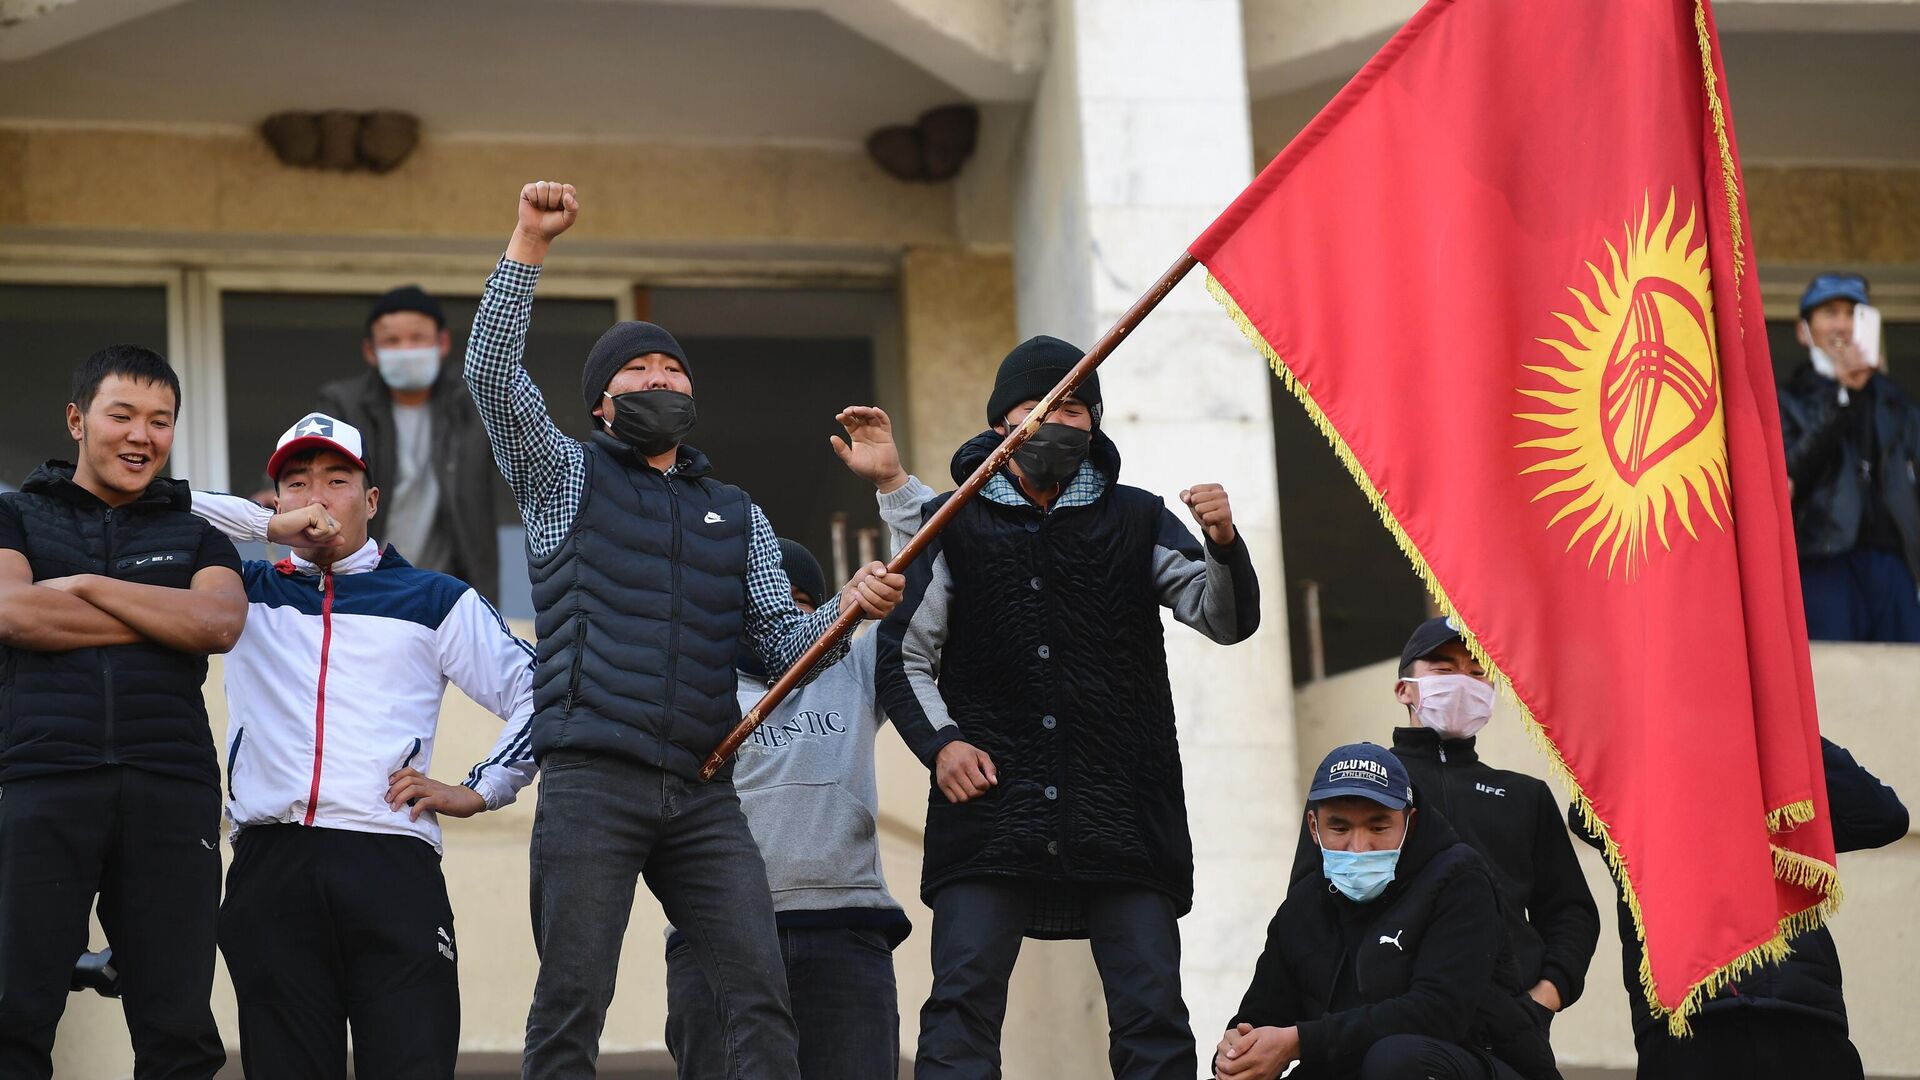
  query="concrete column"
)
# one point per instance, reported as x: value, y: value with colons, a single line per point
x: 1139, y: 137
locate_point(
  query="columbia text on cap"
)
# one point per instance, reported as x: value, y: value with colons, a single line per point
x: 1362, y: 770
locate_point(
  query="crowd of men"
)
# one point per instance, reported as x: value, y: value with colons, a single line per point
x: 1437, y: 918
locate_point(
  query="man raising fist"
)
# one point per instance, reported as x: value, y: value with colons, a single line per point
x: 649, y: 575
x: 1057, y: 808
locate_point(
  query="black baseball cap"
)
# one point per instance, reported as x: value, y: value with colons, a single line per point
x: 1427, y: 637
x: 1364, y: 770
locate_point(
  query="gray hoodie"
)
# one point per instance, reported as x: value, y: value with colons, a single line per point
x: 806, y: 779
x: 806, y: 782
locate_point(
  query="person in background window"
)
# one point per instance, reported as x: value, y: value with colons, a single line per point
x: 424, y: 441
x: 1853, y: 449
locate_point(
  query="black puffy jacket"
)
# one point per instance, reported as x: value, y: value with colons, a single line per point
x: 1830, y: 485
x: 1866, y: 814
x: 135, y: 705
x: 1429, y: 957
x: 639, y: 613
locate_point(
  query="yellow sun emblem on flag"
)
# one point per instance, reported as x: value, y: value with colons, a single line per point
x: 1638, y: 427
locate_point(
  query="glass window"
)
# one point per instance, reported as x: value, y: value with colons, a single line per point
x: 47, y: 330
x: 281, y: 347
x: 766, y: 411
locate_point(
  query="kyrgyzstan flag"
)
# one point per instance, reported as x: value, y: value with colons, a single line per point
x: 1506, y: 271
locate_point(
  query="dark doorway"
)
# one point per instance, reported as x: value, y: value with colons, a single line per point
x: 1370, y: 597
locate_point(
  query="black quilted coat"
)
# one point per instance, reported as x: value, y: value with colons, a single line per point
x: 1053, y: 664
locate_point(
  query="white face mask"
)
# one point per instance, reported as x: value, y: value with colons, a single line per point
x: 409, y: 369
x: 1456, y: 706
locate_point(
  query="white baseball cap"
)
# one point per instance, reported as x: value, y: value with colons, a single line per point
x: 318, y: 431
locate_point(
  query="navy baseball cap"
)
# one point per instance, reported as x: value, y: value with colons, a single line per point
x: 1364, y: 770
x: 1830, y: 286
x: 1427, y: 637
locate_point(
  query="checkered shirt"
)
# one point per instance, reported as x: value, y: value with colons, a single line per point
x: 547, y: 469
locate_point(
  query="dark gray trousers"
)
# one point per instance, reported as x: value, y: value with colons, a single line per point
x: 977, y: 929
x: 602, y: 823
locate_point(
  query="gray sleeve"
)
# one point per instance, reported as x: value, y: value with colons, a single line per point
x: 903, y: 509
x: 908, y: 658
x: 1209, y: 588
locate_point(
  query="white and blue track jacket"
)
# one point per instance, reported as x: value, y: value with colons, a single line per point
x: 336, y: 684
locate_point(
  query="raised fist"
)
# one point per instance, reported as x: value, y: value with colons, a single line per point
x: 547, y: 209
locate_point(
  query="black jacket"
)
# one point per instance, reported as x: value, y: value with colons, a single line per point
x: 462, y: 462
x: 1428, y: 957
x: 1514, y: 820
x: 1866, y: 814
x: 1054, y: 664
x: 640, y: 611
x: 135, y: 705
x: 1833, y: 483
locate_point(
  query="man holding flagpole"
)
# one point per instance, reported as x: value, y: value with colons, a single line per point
x: 1026, y: 670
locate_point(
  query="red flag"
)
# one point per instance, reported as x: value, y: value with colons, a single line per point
x: 1506, y: 272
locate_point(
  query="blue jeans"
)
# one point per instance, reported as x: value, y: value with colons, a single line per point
x: 604, y: 821
x: 1862, y: 595
x: 844, y: 1003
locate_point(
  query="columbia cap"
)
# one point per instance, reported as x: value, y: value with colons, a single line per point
x: 318, y: 431
x: 1364, y: 770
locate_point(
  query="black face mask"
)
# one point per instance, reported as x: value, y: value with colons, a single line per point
x: 1053, y: 455
x: 651, y: 421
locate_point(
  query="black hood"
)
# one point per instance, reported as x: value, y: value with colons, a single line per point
x: 55, y: 478
x: 688, y: 462
x: 1429, y: 835
x: 1104, y: 455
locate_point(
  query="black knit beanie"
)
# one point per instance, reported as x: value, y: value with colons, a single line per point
x: 406, y: 298
x: 1034, y: 367
x: 622, y: 342
x: 803, y: 570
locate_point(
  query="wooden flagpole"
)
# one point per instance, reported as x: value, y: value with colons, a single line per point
x: 850, y: 614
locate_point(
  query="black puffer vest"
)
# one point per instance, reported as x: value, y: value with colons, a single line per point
x: 640, y: 612
x: 134, y: 705
x: 1055, y: 666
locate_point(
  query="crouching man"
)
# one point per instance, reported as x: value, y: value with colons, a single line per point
x: 1389, y: 960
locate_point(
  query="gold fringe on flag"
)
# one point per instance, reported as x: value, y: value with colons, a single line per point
x: 1788, y: 865
x: 1729, y: 173
x: 1791, y: 816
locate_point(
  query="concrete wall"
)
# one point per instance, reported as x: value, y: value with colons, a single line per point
x: 1866, y: 693
x: 634, y: 193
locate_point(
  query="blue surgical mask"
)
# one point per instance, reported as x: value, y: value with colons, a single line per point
x: 1360, y: 876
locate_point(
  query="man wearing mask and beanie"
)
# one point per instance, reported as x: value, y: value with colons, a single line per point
x: 1510, y: 818
x: 1057, y: 808
x: 1852, y: 438
x: 648, y: 577
x: 807, y: 784
x: 425, y: 444
x: 1382, y: 963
